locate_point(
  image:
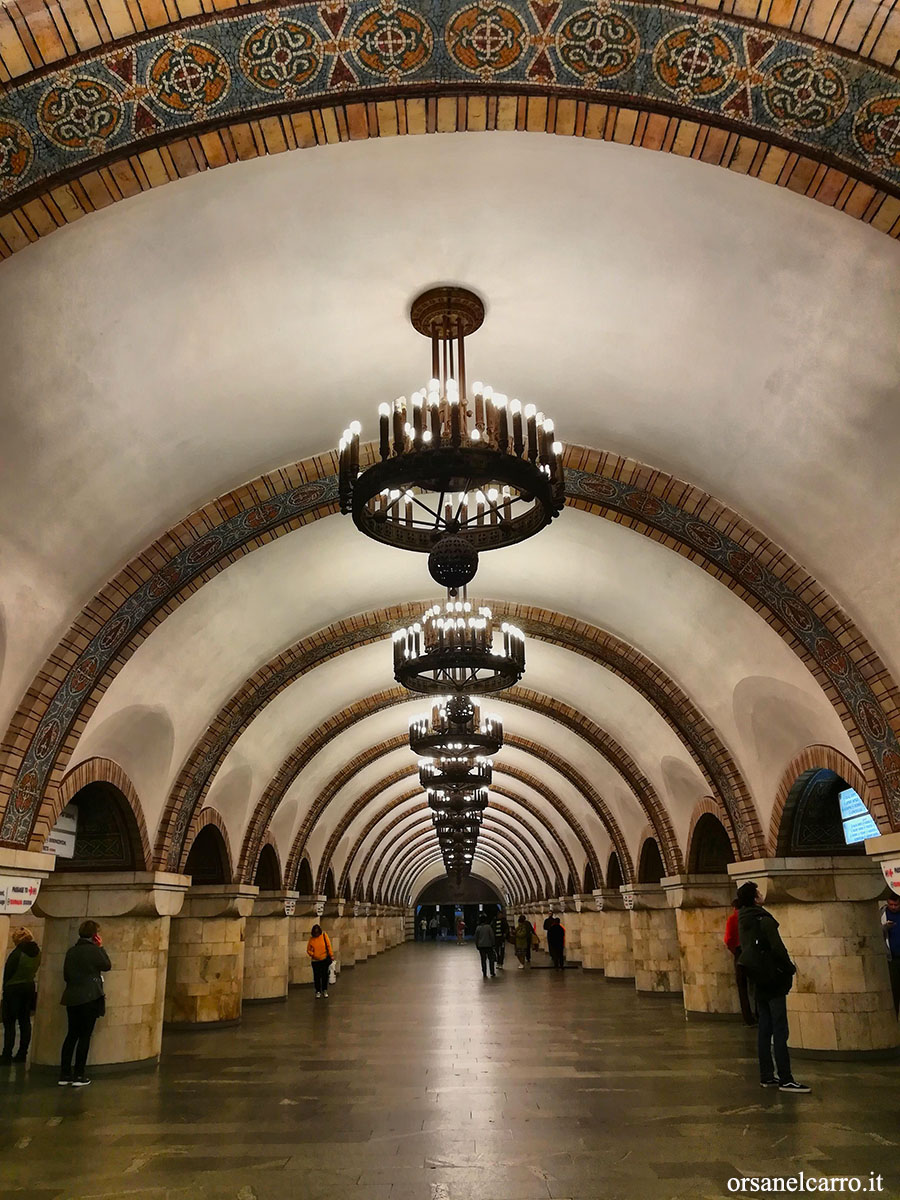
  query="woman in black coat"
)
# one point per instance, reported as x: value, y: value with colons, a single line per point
x: 84, y: 1000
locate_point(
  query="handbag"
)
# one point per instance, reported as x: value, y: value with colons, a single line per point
x: 332, y: 972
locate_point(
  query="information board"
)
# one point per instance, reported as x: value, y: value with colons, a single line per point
x: 17, y: 895
x: 61, y: 838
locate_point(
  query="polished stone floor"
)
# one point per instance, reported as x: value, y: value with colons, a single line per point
x: 417, y: 1080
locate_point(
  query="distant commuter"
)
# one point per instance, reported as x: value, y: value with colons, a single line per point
x: 556, y: 944
x: 890, y: 924
x: 732, y: 941
x: 484, y: 940
x: 319, y: 950
x: 501, y: 934
x: 85, y: 1001
x: 524, y: 940
x: 769, y: 968
x: 423, y: 929
x: 460, y: 929
x: 19, y: 994
x: 433, y: 926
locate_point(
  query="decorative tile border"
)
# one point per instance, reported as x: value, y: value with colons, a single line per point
x: 66, y: 121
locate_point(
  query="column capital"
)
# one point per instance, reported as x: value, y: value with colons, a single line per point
x: 220, y: 900
x: 274, y: 903
x: 813, y: 880
x: 112, y: 894
x: 698, y: 891
x: 643, y: 895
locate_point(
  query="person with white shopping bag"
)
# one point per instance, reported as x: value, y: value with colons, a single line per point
x: 319, y: 950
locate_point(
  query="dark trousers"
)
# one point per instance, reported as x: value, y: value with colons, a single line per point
x: 894, y: 968
x: 320, y: 973
x: 487, y: 957
x: 773, y: 1030
x: 82, y: 1019
x: 558, y: 957
x: 500, y: 952
x: 18, y: 1001
x: 747, y: 1010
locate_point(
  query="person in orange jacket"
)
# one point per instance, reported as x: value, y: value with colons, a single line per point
x: 319, y: 950
x: 732, y: 941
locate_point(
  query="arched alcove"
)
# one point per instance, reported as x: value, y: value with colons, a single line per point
x: 614, y: 872
x: 571, y: 889
x: 328, y: 887
x: 268, y: 870
x: 650, y: 863
x: 589, y: 882
x: 823, y: 815
x: 710, y: 850
x: 207, y: 860
x: 107, y: 837
x: 474, y: 889
x: 304, y: 884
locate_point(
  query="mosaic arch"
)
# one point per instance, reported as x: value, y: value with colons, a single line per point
x: 97, y: 126
x: 709, y: 806
x: 563, y: 714
x: 806, y: 760
x: 697, y: 734
x: 53, y: 714
x: 318, y: 807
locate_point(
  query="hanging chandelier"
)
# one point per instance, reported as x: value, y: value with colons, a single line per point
x: 454, y: 803
x: 457, y: 773
x: 466, y: 823
x: 457, y: 473
x: 456, y: 728
x: 453, y: 647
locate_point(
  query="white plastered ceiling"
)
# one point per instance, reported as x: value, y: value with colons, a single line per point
x: 174, y: 346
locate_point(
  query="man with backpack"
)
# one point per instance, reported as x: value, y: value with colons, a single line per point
x: 768, y: 965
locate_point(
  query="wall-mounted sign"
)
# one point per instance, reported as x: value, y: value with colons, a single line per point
x: 17, y: 895
x: 61, y: 838
x: 290, y: 907
x: 890, y: 869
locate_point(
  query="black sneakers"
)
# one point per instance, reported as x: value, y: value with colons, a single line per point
x: 793, y: 1086
x: 769, y: 1083
x: 80, y: 1081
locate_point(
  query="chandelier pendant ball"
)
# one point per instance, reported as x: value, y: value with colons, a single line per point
x: 453, y: 463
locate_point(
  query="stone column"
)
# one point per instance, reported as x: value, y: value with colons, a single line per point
x: 22, y: 870
x: 840, y: 1005
x: 654, y: 940
x: 347, y: 927
x: 618, y: 957
x: 266, y: 953
x: 134, y: 910
x: 592, y: 918
x: 570, y: 914
x: 299, y: 926
x: 205, y: 980
x: 380, y: 929
x: 701, y: 904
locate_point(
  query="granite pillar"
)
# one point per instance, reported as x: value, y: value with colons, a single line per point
x: 702, y: 904
x: 266, y: 950
x: 827, y: 908
x: 134, y: 910
x: 654, y: 940
x: 299, y: 927
x: 205, y: 980
x: 618, y: 956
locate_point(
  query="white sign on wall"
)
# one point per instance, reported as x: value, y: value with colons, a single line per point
x: 61, y: 838
x: 17, y: 895
x: 890, y: 869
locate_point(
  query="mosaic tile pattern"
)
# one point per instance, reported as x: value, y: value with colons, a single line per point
x: 826, y: 102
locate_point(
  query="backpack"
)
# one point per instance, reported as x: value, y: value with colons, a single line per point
x: 761, y: 967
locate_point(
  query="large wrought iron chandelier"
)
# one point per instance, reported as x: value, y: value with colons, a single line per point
x: 457, y: 472
x: 455, y: 773
x: 454, y: 803
x: 454, y: 647
x: 455, y: 727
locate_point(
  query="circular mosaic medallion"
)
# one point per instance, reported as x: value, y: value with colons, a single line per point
x: 745, y: 565
x: 643, y: 503
x: 393, y: 43
x: 890, y: 768
x: 832, y: 656
x: 262, y: 515
x: 486, y: 39
x: 877, y: 131
x: 188, y: 77
x: 308, y: 494
x: 80, y: 113
x: 803, y: 93
x: 694, y: 62
x: 598, y: 44
x: 82, y: 674
x: 280, y: 56
x: 16, y: 154
x: 26, y: 792
x: 163, y: 581
x: 203, y: 550
x: 704, y: 537
x: 871, y: 719
x: 795, y: 615
x: 47, y: 737
x: 602, y: 489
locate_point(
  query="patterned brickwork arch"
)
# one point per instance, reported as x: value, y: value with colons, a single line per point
x: 402, y: 890
x: 813, y: 756
x: 708, y: 805
x: 213, y: 89
x: 65, y: 692
x: 211, y: 816
x: 104, y: 770
x: 269, y: 841
x: 517, y: 878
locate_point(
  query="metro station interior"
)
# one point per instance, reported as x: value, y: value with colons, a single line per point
x: 449, y: 472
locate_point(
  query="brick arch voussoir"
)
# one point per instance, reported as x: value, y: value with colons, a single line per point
x: 104, y: 770
x: 556, y: 804
x: 55, y: 709
x: 210, y: 816
x: 818, y: 755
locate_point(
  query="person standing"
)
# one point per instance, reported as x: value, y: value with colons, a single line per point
x: 501, y: 933
x: 423, y: 929
x: 524, y: 938
x: 460, y: 929
x: 319, y: 950
x: 433, y: 928
x: 768, y: 965
x: 890, y: 926
x: 19, y: 994
x: 84, y: 999
x: 556, y: 944
x: 484, y: 940
x: 732, y: 941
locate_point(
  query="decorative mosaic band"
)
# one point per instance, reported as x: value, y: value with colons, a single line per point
x: 825, y: 102
x: 798, y: 618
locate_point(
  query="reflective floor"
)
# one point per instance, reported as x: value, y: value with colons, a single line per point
x: 418, y: 1080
